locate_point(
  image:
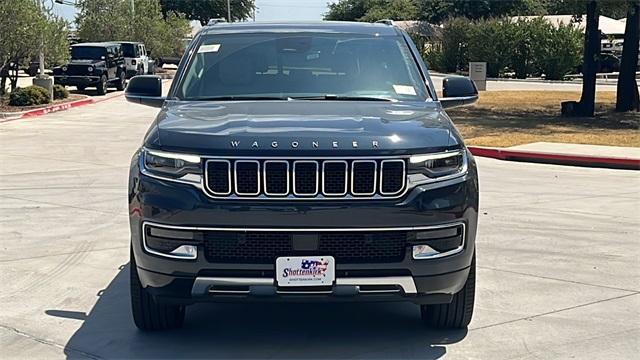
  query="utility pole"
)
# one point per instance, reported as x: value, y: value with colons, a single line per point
x: 229, y: 10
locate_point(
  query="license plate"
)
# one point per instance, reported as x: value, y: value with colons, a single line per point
x: 305, y: 270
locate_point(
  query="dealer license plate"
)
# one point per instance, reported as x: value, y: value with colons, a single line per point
x: 305, y: 270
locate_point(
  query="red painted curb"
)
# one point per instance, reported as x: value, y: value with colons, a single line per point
x: 55, y: 108
x: 560, y: 159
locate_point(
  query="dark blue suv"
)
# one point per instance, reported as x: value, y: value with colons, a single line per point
x: 302, y: 162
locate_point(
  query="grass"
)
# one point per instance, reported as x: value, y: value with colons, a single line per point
x: 5, y: 107
x: 508, y: 118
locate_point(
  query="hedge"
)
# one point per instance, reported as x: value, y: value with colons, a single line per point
x: 30, y: 95
x: 526, y: 47
x: 60, y: 92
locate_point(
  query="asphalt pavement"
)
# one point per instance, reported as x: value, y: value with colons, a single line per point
x: 558, y: 255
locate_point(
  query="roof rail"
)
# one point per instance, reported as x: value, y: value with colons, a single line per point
x: 216, y: 21
x: 385, y: 21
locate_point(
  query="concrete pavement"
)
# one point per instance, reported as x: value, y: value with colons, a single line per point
x: 557, y: 256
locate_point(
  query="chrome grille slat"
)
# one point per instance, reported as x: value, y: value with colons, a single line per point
x: 265, y: 178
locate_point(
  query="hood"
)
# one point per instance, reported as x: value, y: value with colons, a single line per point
x: 85, y: 62
x: 305, y: 127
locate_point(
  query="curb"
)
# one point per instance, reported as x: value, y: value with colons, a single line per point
x: 557, y: 159
x: 6, y: 117
x: 47, y: 110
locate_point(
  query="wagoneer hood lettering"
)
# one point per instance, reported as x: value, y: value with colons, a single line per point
x: 303, y: 125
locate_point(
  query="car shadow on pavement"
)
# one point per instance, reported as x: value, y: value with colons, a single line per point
x: 257, y: 330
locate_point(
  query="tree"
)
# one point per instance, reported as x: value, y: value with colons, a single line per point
x: 627, y: 92
x: 113, y: 20
x: 23, y: 27
x: 437, y: 11
x: 349, y: 10
x: 205, y: 10
x: 393, y: 9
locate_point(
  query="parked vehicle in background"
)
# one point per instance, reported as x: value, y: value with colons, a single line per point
x: 136, y: 59
x: 100, y: 65
x: 173, y: 59
x: 33, y: 68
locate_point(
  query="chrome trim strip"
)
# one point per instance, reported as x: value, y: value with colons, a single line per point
x: 294, y: 177
x: 235, y: 177
x: 405, y: 282
x: 404, y: 176
x: 151, y: 251
x: 206, y: 176
x: 446, y: 253
x: 264, y: 177
x: 346, y: 175
x: 375, y: 176
x: 402, y: 228
x: 203, y: 285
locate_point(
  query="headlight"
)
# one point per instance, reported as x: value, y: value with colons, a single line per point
x: 172, y: 166
x: 90, y: 69
x: 438, y: 167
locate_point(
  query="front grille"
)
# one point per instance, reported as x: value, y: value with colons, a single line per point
x: 305, y: 179
x: 78, y: 70
x: 264, y: 247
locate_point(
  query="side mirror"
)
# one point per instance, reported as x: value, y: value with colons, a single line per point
x: 458, y: 91
x: 145, y: 90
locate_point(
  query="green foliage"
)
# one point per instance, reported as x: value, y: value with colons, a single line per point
x: 437, y: 11
x: 31, y: 95
x: 23, y: 29
x: 527, y: 47
x: 557, y: 50
x: 204, y: 10
x: 60, y: 92
x: 393, y: 9
x: 112, y: 20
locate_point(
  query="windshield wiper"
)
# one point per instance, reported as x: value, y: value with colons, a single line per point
x: 341, y: 98
x: 236, y: 97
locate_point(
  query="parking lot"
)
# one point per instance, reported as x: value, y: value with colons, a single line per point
x: 558, y: 258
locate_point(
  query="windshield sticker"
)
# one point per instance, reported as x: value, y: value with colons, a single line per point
x: 404, y: 90
x: 209, y: 48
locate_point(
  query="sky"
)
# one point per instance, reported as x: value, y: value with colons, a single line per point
x: 268, y: 10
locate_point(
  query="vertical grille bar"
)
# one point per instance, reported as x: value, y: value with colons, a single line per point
x: 363, y: 177
x: 392, y: 177
x: 247, y: 177
x: 305, y: 178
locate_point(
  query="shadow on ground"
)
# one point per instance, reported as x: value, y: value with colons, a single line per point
x: 367, y: 330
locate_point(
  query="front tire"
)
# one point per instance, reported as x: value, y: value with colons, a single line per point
x: 149, y: 315
x: 458, y: 313
x: 102, y: 85
x: 120, y: 85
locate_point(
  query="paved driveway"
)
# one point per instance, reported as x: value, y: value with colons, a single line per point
x: 558, y: 264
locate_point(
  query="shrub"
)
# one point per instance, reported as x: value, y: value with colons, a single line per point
x: 527, y: 47
x: 31, y: 95
x: 60, y: 92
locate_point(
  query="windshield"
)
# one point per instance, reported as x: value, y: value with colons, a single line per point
x: 128, y: 50
x: 88, y: 52
x: 312, y: 66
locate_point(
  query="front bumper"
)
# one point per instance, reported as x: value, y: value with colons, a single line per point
x: 68, y: 80
x: 154, y: 201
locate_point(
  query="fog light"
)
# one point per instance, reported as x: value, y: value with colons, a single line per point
x: 186, y: 251
x: 424, y: 251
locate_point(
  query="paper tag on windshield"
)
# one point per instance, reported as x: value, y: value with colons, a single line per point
x: 404, y: 89
x: 209, y: 48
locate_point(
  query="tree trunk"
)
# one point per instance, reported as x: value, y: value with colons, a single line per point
x: 627, y: 96
x: 586, y: 105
